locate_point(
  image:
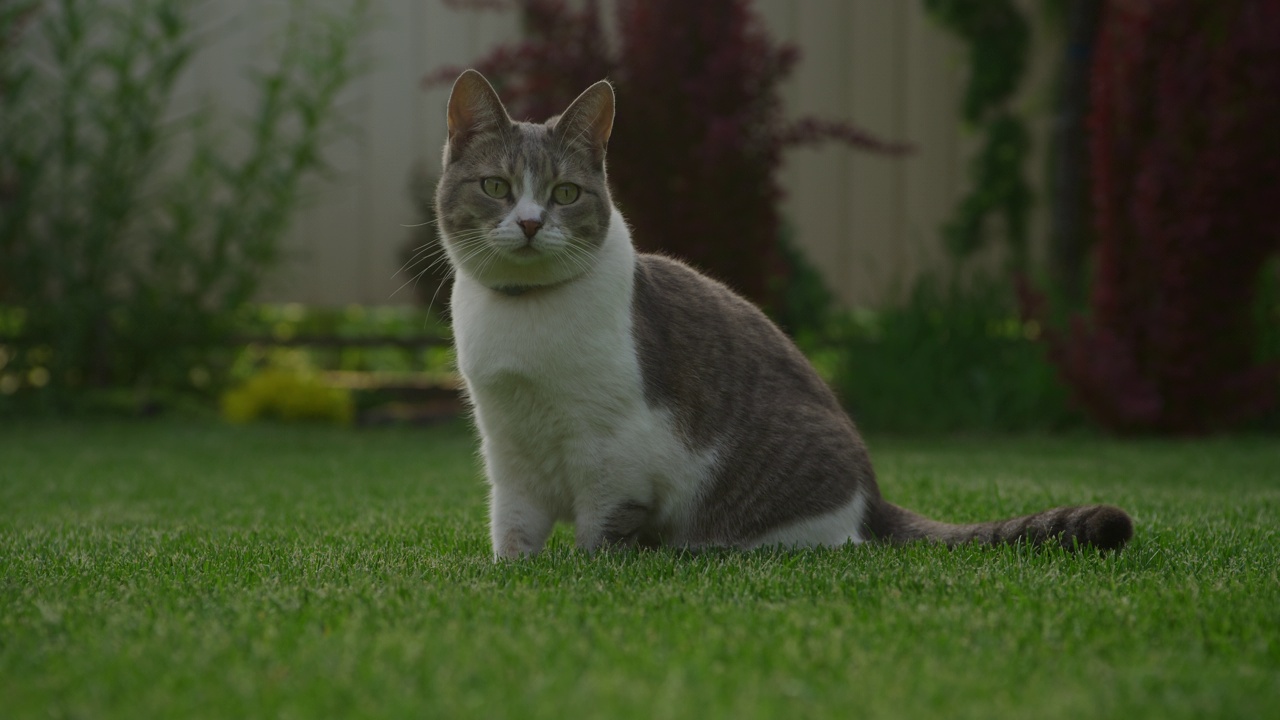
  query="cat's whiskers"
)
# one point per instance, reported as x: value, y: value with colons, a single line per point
x: 469, y: 240
x: 488, y: 259
x: 471, y: 249
x: 443, y: 280
x: 421, y: 224
x: 576, y: 255
x: 428, y: 250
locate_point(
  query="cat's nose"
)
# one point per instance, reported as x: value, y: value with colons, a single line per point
x: 530, y: 227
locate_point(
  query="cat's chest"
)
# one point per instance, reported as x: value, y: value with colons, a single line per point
x: 552, y: 355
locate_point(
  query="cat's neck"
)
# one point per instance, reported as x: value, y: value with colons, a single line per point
x: 518, y: 290
x: 606, y: 282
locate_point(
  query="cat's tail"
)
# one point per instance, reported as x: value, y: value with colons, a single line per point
x: 1104, y: 527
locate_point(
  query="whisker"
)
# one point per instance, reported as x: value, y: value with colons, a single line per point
x: 439, y: 285
x: 421, y: 224
x: 443, y: 256
x: 419, y: 252
x: 430, y: 251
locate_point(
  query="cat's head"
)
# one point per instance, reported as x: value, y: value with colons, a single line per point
x: 524, y: 205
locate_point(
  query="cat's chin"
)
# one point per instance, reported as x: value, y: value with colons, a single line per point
x: 525, y: 255
x: 524, y: 267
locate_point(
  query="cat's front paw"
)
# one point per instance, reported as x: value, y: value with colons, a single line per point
x: 513, y: 546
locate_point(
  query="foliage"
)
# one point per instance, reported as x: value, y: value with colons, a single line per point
x: 338, y: 332
x: 128, y: 241
x: 1186, y: 175
x: 288, y: 391
x: 304, y: 571
x: 997, y: 36
x: 805, y: 305
x: 366, y: 364
x: 953, y: 357
x: 700, y: 131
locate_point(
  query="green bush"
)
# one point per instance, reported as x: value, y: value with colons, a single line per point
x: 1267, y: 327
x: 266, y: 327
x: 128, y: 242
x: 290, y: 390
x: 954, y: 357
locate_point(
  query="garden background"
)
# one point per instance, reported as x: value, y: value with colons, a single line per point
x: 925, y: 208
x: 1032, y: 246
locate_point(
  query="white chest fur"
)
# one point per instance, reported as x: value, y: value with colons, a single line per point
x: 559, y: 400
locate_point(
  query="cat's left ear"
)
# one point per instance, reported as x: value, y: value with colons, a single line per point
x: 589, y: 120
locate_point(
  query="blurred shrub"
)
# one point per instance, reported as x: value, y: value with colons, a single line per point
x: 1186, y: 177
x: 804, y: 306
x: 328, y: 330
x: 954, y: 357
x: 128, y: 241
x: 1266, y: 320
x: 288, y: 390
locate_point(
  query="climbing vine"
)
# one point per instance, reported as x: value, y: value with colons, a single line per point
x: 997, y: 36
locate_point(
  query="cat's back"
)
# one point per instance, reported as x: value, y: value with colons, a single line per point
x: 696, y: 338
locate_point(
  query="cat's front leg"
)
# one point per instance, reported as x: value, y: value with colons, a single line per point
x: 518, y: 524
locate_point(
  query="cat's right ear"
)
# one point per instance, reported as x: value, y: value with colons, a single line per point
x: 474, y: 109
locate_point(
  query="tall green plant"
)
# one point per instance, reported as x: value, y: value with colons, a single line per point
x: 997, y: 36
x: 127, y: 241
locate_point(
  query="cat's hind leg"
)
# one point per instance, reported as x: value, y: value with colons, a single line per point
x: 626, y: 523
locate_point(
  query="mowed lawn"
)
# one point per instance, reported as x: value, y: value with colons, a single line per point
x: 191, y: 570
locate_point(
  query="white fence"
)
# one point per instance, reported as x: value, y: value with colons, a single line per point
x: 870, y: 223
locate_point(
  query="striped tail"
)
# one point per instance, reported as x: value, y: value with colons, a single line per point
x: 1100, y: 526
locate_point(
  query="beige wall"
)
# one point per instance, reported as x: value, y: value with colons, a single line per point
x: 869, y: 222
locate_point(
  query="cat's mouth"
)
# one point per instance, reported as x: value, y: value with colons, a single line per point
x: 524, y: 254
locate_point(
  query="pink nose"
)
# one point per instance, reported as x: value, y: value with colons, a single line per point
x: 530, y: 227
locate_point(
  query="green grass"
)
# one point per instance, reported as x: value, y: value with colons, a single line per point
x: 196, y: 570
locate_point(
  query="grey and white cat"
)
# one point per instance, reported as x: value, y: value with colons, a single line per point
x: 630, y: 395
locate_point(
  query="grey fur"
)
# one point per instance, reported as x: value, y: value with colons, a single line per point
x: 786, y: 451
x: 789, y: 451
x: 734, y: 381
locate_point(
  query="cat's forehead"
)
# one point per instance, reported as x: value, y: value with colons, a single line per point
x: 534, y: 149
x: 524, y: 147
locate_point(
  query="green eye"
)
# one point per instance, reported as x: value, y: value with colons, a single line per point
x: 495, y: 187
x: 565, y: 193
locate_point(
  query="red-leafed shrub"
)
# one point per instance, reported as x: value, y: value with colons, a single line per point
x: 700, y: 132
x: 1185, y: 151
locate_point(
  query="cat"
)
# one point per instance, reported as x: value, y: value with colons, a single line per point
x: 632, y: 396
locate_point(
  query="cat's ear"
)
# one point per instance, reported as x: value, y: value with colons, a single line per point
x: 589, y: 120
x: 474, y: 108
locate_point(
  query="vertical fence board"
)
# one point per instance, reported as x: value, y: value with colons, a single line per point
x: 392, y: 113
x: 932, y: 94
x: 816, y: 183
x: 872, y: 256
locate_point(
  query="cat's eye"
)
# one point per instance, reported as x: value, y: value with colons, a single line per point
x: 495, y: 187
x: 565, y: 193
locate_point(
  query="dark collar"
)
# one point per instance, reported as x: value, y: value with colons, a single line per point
x: 518, y: 290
